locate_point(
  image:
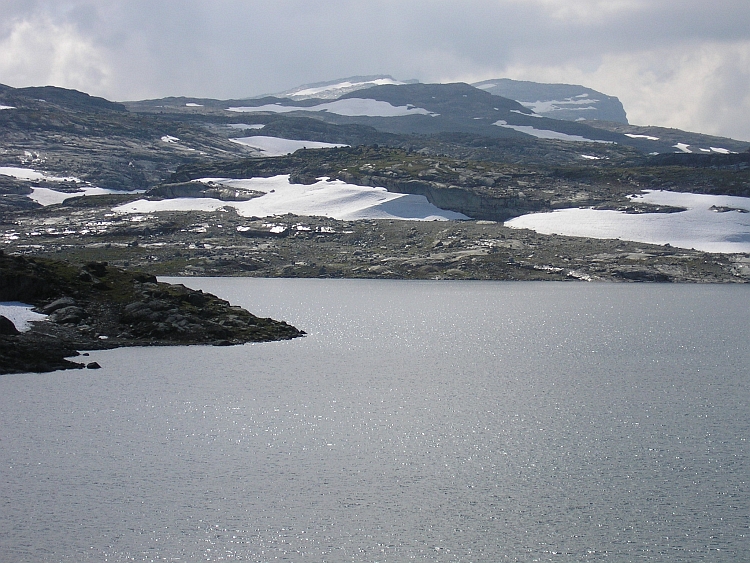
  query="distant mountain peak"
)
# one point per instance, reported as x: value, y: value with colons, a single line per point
x: 64, y: 97
x: 569, y: 102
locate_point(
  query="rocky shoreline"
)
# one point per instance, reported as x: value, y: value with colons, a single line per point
x: 97, y: 306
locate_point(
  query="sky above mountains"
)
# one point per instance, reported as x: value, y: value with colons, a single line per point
x: 673, y: 63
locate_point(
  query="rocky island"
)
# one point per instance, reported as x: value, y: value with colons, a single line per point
x: 96, y: 306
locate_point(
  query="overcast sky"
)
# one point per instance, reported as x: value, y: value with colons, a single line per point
x: 674, y: 63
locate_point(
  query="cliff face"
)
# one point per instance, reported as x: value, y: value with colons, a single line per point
x: 568, y: 102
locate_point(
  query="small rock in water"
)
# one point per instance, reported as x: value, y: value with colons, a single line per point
x: 93, y: 365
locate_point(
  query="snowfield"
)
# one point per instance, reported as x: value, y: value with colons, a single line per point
x: 6, y: 107
x: 350, y: 107
x: 20, y: 314
x: 710, y: 223
x: 341, y: 86
x: 550, y: 106
x: 647, y: 137
x: 275, y: 146
x: 33, y: 175
x: 46, y: 196
x: 547, y: 134
x: 325, y: 198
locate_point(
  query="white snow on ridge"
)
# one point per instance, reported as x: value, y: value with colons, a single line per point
x: 710, y: 223
x: 20, y: 314
x: 346, y: 85
x: 6, y: 107
x: 547, y: 134
x: 193, y: 105
x: 335, y: 199
x: 276, y: 146
x: 683, y: 147
x: 169, y: 139
x: 350, y: 107
x: 716, y: 150
x: 647, y: 137
x: 33, y: 175
x: 551, y: 106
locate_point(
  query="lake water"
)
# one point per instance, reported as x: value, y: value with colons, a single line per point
x: 418, y: 421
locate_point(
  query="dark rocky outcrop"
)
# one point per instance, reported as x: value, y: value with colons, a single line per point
x: 98, y: 306
x: 7, y: 326
x: 197, y: 189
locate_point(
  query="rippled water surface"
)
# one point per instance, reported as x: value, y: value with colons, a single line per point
x: 428, y: 421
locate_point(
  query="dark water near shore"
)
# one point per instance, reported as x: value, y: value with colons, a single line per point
x: 429, y: 421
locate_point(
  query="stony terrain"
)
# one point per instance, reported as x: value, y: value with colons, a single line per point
x: 97, y: 306
x: 224, y: 243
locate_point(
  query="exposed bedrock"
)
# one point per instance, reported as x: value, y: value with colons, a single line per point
x: 468, y: 201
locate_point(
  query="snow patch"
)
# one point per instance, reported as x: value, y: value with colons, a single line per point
x: 547, y: 134
x: 169, y: 139
x: 6, y: 107
x: 647, y: 137
x: 275, y: 146
x: 346, y: 85
x: 20, y: 314
x: 683, y: 147
x: 568, y: 104
x: 46, y: 196
x: 700, y: 227
x: 350, y: 107
x: 33, y: 175
x: 193, y: 105
x: 590, y: 157
x: 720, y: 150
x: 326, y: 198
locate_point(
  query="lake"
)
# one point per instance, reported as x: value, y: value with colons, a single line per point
x: 417, y: 421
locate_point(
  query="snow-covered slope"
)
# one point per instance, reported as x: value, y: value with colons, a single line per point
x: 276, y: 146
x: 709, y: 223
x: 335, y: 199
x: 429, y: 109
x: 350, y: 107
x: 333, y: 89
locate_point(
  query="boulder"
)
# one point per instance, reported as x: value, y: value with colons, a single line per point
x: 58, y: 304
x: 7, y: 326
x: 68, y: 315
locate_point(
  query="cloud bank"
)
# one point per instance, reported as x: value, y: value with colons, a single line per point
x: 674, y: 63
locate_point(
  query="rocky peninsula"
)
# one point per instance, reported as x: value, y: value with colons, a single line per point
x: 96, y: 306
